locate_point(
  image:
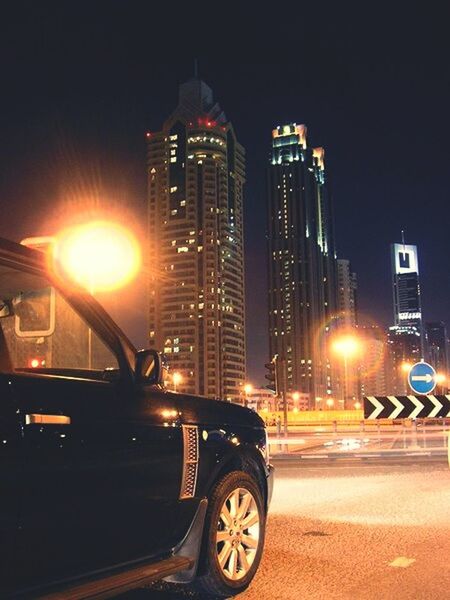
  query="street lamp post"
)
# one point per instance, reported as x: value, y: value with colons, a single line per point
x: 406, y: 368
x: 346, y: 346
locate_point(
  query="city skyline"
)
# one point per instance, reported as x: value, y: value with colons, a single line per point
x: 75, y: 122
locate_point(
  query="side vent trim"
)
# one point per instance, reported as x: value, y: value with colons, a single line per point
x: 190, y: 461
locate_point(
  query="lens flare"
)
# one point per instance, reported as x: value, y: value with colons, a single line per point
x: 101, y: 256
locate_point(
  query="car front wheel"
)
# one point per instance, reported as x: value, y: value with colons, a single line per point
x: 233, y: 537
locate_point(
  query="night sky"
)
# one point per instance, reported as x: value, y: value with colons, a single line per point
x: 82, y: 82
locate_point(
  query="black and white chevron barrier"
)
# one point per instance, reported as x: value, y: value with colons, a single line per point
x: 406, y: 407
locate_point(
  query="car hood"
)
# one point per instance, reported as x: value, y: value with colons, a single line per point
x: 196, y: 409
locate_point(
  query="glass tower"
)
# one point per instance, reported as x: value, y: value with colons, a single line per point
x: 301, y: 262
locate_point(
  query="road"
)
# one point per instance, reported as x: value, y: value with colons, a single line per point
x: 357, y: 531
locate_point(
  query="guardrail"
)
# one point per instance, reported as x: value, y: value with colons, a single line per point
x: 361, y: 425
x: 367, y: 438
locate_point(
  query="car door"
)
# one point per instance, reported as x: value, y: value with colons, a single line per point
x: 11, y: 466
x: 102, y: 475
x: 99, y: 451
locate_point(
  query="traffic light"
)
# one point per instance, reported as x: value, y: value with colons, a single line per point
x: 272, y: 375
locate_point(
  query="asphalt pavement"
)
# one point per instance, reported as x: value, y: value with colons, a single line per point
x: 355, y: 531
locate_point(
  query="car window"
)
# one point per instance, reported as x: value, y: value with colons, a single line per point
x: 41, y: 332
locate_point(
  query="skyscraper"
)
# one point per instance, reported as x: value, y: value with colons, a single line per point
x: 406, y: 287
x: 346, y: 286
x: 437, y: 344
x: 405, y: 337
x: 404, y: 350
x: 196, y: 175
x: 349, y: 381
x: 372, y: 371
x: 301, y: 261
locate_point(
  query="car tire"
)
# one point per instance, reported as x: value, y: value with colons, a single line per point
x: 233, y: 537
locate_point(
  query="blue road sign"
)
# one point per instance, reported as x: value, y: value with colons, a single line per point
x: 422, y: 378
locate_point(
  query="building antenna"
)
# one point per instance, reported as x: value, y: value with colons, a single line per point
x: 195, y: 68
x: 403, y: 240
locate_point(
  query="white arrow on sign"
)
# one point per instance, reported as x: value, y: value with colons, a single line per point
x: 378, y: 407
x: 427, y: 378
x: 399, y: 407
x: 437, y: 406
x: 418, y: 404
x: 448, y: 398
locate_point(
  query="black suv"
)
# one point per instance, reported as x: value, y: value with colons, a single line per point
x: 109, y: 481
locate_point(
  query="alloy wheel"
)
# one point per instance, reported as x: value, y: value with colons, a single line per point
x: 238, y: 534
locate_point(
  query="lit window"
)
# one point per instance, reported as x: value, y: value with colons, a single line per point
x: 182, y: 249
x: 167, y: 350
x: 173, y: 159
x: 173, y: 189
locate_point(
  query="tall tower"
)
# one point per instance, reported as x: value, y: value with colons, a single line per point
x: 349, y: 371
x: 437, y: 346
x: 405, y: 286
x: 301, y: 262
x: 347, y: 287
x: 196, y: 175
x: 405, y: 337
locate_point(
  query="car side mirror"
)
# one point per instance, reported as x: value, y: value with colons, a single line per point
x: 149, y: 367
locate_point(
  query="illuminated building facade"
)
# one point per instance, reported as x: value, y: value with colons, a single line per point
x: 405, y: 337
x: 437, y: 345
x: 346, y: 298
x: 406, y: 287
x: 349, y: 384
x: 301, y: 262
x: 372, y: 370
x: 404, y: 350
x: 196, y: 174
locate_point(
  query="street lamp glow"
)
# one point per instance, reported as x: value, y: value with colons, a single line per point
x: 295, y: 396
x: 101, y: 255
x: 330, y: 402
x: 357, y: 405
x: 440, y: 378
x: 177, y: 378
x: 347, y: 346
x: 406, y: 367
x: 248, y: 388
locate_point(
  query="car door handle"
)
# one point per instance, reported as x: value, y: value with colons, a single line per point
x: 47, y: 420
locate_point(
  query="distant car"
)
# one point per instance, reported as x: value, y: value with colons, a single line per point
x: 108, y: 480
